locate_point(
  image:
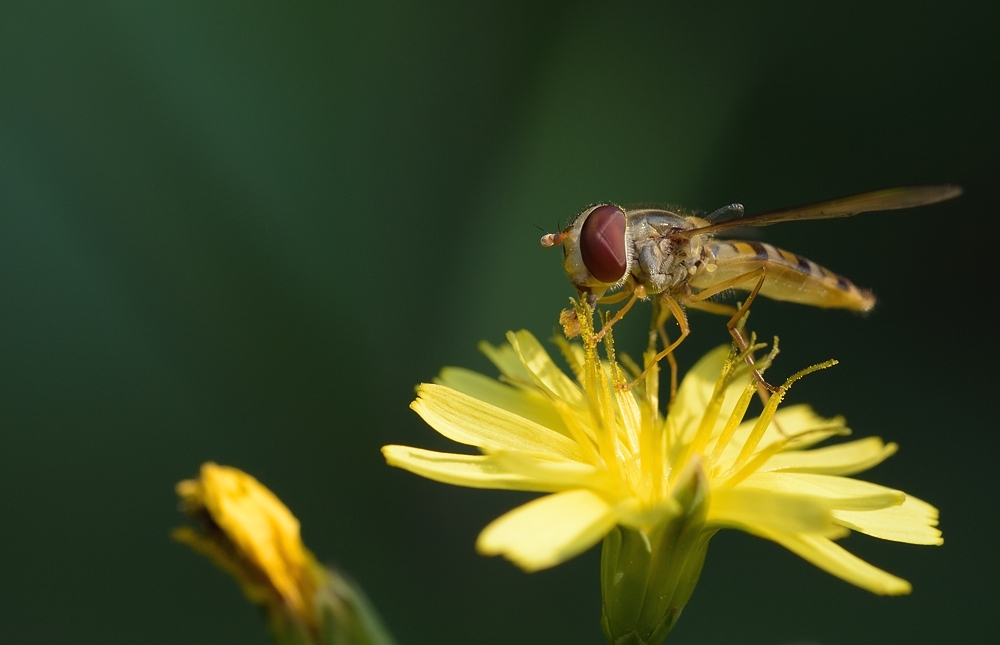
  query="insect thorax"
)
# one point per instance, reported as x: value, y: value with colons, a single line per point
x: 664, y: 261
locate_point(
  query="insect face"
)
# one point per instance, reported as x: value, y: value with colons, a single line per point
x: 597, y: 248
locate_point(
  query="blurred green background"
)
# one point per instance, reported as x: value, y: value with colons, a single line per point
x: 243, y: 231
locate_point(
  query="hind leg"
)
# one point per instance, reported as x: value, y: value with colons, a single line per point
x: 698, y: 301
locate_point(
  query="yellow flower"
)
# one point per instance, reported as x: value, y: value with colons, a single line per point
x: 252, y: 536
x: 613, y: 464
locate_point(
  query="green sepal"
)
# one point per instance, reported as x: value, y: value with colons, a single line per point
x: 346, y: 617
x: 287, y: 629
x: 648, y: 575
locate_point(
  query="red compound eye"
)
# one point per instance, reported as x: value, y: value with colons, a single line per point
x: 602, y: 243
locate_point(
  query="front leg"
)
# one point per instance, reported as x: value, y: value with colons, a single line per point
x: 674, y: 309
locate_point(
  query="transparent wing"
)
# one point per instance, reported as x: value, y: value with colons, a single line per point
x: 889, y: 199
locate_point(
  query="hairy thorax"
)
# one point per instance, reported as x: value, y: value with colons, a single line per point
x: 665, y: 260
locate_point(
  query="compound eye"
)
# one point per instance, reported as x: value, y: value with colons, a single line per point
x: 602, y: 243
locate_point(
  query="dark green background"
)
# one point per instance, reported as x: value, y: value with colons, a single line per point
x: 243, y: 231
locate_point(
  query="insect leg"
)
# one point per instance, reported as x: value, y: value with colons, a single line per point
x: 615, y: 298
x: 630, y: 288
x: 707, y: 305
x: 733, y: 324
x: 571, y: 324
x: 675, y: 309
x: 728, y: 310
x: 660, y: 316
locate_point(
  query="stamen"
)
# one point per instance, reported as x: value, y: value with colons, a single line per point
x: 710, y: 416
x: 734, y: 421
x: 765, y: 417
x: 651, y: 388
x: 578, y: 431
x: 598, y: 396
x: 732, y: 478
x: 570, y: 355
x: 626, y: 406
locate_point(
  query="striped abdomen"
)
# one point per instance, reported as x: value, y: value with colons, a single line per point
x: 788, y: 276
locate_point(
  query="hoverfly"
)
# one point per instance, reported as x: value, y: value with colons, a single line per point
x: 655, y: 252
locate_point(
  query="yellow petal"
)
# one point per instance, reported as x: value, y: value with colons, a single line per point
x: 742, y: 507
x: 695, y: 392
x: 698, y: 384
x: 262, y: 529
x: 841, y: 493
x: 523, y: 402
x: 506, y: 360
x: 554, y: 475
x: 467, y: 420
x: 913, y: 522
x: 835, y: 560
x: 475, y: 471
x: 842, y: 459
x: 629, y: 431
x: 802, y: 422
x: 574, y: 356
x: 545, y: 373
x: 549, y: 530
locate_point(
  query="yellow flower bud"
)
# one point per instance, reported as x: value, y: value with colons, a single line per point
x: 251, y: 535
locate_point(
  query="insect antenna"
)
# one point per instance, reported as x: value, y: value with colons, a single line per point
x: 551, y: 239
